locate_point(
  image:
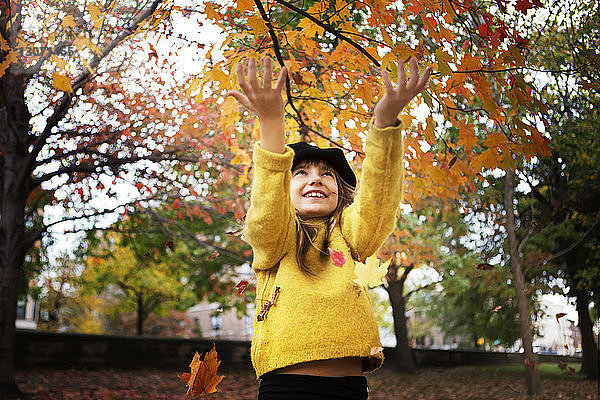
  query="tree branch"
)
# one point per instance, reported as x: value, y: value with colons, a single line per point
x: 65, y: 101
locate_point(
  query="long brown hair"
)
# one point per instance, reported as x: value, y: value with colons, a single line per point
x: 306, y: 232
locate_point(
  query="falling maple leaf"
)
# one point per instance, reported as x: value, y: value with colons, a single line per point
x: 560, y: 315
x: 213, y: 255
x: 241, y: 286
x: 372, y: 272
x: 338, y: 257
x: 203, y: 377
x: 497, y: 309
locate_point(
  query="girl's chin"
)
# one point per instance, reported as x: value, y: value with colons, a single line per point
x: 314, y: 213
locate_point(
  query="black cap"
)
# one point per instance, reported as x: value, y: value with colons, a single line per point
x: 332, y: 156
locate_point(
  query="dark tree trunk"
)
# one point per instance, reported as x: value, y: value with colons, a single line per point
x: 15, y: 184
x: 532, y: 376
x: 403, y: 355
x: 140, y: 316
x: 589, y: 366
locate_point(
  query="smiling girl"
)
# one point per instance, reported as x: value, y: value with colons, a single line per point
x: 315, y: 332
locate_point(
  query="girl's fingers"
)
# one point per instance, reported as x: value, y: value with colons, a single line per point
x: 414, y: 73
x: 401, y: 74
x: 241, y: 98
x: 386, y: 81
x: 268, y: 69
x: 281, y: 79
x: 424, y: 79
x: 253, y: 80
x: 242, y: 79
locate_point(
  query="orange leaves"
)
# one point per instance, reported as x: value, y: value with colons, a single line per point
x: 203, y: 377
x: 61, y: 82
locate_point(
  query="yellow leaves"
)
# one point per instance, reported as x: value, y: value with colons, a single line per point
x: 61, y: 82
x: 10, y: 58
x: 94, y: 11
x: 83, y: 41
x: 217, y: 74
x: 371, y: 273
x: 68, y: 22
x: 429, y: 131
x: 4, y: 44
x: 245, y: 5
x: 258, y: 25
x: 443, y: 59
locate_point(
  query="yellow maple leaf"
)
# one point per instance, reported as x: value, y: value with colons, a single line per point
x: 94, y: 11
x: 258, y: 25
x: 371, y: 273
x: 68, y: 22
x: 243, y: 5
x: 61, y: 82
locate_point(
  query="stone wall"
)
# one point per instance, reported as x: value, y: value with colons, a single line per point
x: 68, y: 350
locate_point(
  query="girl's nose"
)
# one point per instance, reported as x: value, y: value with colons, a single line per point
x: 315, y: 179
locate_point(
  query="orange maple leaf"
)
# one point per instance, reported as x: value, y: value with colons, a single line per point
x: 203, y: 376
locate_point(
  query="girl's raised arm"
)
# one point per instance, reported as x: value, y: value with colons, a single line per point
x: 266, y: 102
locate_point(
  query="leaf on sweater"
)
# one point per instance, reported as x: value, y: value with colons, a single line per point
x: 338, y: 257
x: 371, y: 273
x: 376, y: 349
x: 203, y: 377
x: 241, y: 286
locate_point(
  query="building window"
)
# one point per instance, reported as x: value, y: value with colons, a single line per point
x: 215, y: 322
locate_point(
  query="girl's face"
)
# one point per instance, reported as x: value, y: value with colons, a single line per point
x: 314, y: 189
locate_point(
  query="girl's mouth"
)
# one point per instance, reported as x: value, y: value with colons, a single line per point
x: 315, y: 194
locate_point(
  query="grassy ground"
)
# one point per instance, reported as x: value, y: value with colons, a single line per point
x: 465, y: 383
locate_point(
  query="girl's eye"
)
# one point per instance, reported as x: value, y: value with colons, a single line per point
x: 328, y: 173
x: 299, y: 172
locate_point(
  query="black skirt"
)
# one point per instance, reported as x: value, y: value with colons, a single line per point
x: 310, y: 387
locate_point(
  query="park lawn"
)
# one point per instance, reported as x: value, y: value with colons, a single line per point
x: 504, y: 382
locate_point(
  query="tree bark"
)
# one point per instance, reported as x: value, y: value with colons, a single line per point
x: 14, y: 123
x: 140, y: 316
x: 589, y: 366
x: 403, y: 355
x: 532, y: 376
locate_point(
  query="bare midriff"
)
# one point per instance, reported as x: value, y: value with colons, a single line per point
x: 347, y: 366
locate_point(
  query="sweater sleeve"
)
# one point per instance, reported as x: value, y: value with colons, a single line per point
x: 270, y: 227
x: 368, y: 221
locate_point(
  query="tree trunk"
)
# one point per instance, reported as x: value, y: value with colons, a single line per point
x: 14, y: 122
x: 589, y: 366
x: 140, y: 316
x: 532, y: 376
x: 403, y: 355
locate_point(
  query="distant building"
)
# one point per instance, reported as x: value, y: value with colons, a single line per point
x: 27, y: 313
x: 216, y: 324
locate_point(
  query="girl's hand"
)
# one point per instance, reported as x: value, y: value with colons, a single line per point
x: 394, y: 100
x: 266, y: 102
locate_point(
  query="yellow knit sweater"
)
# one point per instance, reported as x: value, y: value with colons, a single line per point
x: 327, y: 317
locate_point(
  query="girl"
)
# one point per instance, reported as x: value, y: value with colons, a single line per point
x: 315, y: 332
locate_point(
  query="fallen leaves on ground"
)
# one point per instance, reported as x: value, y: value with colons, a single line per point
x: 464, y: 383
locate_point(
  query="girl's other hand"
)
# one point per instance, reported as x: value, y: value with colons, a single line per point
x: 394, y: 100
x: 266, y: 102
